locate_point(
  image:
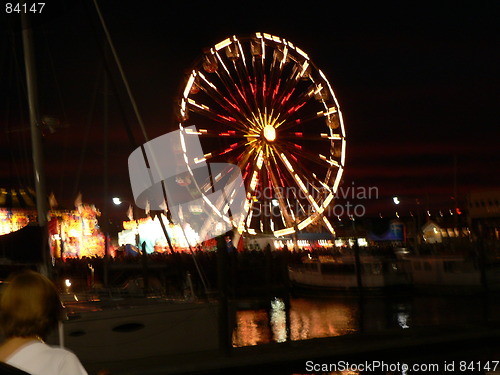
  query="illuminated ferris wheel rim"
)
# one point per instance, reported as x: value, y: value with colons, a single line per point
x: 263, y: 125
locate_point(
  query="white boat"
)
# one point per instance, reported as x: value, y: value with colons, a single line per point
x: 106, y: 334
x: 452, y: 272
x: 340, y: 273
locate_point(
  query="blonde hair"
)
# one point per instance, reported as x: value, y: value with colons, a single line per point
x: 29, y: 306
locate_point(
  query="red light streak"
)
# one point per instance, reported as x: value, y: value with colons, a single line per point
x: 287, y: 97
x: 296, y: 108
x: 275, y: 92
x: 227, y: 118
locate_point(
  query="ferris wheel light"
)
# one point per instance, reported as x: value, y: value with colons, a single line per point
x: 257, y: 47
x: 223, y: 44
x: 304, y: 69
x: 305, y: 223
x: 287, y: 163
x: 283, y: 232
x: 331, y: 110
x: 300, y: 52
x: 328, y: 225
x: 327, y: 200
x: 335, y: 163
x: 342, y: 160
x: 189, y: 84
x: 337, y: 179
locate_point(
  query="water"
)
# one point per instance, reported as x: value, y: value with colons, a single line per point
x: 315, y: 318
x: 310, y: 318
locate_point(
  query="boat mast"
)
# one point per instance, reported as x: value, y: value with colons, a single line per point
x: 36, y: 135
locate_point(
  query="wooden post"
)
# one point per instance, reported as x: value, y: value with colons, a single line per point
x: 225, y: 342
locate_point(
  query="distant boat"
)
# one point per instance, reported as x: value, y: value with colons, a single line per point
x: 451, y: 272
x: 340, y: 273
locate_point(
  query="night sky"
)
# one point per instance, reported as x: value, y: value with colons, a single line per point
x: 417, y: 85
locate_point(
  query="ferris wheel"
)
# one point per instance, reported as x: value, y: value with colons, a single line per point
x: 260, y: 103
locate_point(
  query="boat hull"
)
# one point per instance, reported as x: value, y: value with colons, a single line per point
x: 151, y: 330
x: 375, y: 275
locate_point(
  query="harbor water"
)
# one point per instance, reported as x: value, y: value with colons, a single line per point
x: 311, y: 318
x: 351, y: 316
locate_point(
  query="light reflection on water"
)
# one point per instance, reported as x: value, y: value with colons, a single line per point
x: 308, y: 319
x: 317, y: 318
x: 278, y: 319
x: 252, y: 328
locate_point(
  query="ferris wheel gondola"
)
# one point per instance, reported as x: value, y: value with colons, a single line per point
x: 260, y: 103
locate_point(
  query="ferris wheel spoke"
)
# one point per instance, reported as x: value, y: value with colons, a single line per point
x: 206, y: 111
x: 313, y: 92
x: 299, y: 181
x: 260, y: 80
x: 251, y: 174
x: 293, y: 104
x: 245, y: 81
x: 294, y: 197
x: 301, y: 136
x: 277, y: 86
x: 288, y: 88
x: 327, y: 113
x: 231, y: 86
x: 246, y: 161
x: 229, y: 107
x: 319, y: 159
x: 280, y: 56
x: 241, y: 69
x: 280, y: 195
x: 227, y: 134
x: 234, y: 147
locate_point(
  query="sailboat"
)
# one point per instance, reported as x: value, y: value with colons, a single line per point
x: 104, y: 333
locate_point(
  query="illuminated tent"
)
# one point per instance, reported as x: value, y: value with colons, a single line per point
x: 17, y: 198
x: 17, y: 209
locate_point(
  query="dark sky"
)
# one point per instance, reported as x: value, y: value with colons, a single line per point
x: 417, y: 84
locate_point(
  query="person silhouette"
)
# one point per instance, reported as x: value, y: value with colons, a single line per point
x: 30, y: 309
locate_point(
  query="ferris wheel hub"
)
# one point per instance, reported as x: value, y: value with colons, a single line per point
x: 269, y: 133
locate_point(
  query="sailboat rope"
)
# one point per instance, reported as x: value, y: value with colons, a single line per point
x: 138, y: 116
x: 122, y: 73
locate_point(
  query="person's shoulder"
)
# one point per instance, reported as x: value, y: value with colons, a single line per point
x: 63, y: 353
x: 69, y: 363
x: 38, y: 356
x: 57, y: 350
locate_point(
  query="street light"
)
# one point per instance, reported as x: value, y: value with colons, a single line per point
x: 396, y: 200
x: 117, y: 201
